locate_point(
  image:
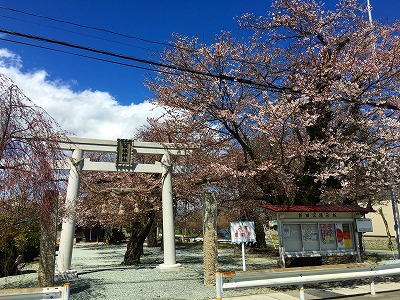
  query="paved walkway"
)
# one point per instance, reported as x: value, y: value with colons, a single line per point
x: 313, y: 294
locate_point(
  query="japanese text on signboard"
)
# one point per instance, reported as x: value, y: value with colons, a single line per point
x: 242, y: 232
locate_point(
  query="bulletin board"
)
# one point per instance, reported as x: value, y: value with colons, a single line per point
x: 319, y: 230
x: 318, y: 236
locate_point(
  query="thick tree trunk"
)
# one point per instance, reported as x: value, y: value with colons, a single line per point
x: 210, y: 253
x: 254, y: 215
x: 260, y: 234
x: 308, y: 188
x: 47, y: 256
x: 140, y: 230
x: 48, y: 242
x: 152, y: 237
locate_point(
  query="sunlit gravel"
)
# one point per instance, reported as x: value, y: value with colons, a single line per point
x: 101, y: 275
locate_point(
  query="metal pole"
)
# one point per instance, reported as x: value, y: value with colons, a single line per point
x: 369, y: 12
x: 68, y: 225
x: 243, y: 258
x: 372, y: 286
x: 301, y: 290
x: 395, y: 208
x: 358, y: 248
x: 168, y: 217
x: 66, y: 291
x: 218, y: 284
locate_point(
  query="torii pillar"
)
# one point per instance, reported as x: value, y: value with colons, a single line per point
x: 168, y: 217
x: 68, y: 224
x: 78, y: 146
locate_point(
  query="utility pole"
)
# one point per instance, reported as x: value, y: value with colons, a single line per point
x: 395, y: 206
x: 369, y: 12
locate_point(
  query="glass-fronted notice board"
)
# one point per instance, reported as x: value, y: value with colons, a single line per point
x: 318, y: 236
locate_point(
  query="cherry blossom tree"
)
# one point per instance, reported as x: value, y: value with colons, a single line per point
x: 208, y: 178
x: 28, y: 183
x: 132, y: 200
x: 311, y: 100
x: 120, y: 200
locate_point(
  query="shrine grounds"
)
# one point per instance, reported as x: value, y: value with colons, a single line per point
x: 101, y: 275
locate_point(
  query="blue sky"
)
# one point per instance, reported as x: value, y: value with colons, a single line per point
x: 118, y: 90
x: 153, y: 20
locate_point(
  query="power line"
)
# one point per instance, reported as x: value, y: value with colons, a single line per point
x: 87, y: 56
x: 100, y: 29
x: 75, y: 32
x: 170, y: 67
x: 140, y: 60
x: 86, y: 26
x: 149, y: 62
x: 97, y: 29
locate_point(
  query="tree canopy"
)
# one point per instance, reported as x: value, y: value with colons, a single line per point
x: 28, y: 153
x: 311, y: 100
x: 29, y: 186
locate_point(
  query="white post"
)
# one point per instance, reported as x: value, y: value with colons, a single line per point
x: 68, y: 225
x: 369, y: 12
x: 168, y: 217
x: 301, y: 289
x: 218, y: 284
x: 243, y: 258
x: 372, y: 286
x: 66, y: 291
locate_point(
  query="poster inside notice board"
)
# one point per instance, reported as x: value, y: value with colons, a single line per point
x: 327, y: 234
x: 343, y: 235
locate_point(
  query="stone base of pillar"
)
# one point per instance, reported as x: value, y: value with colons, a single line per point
x: 65, y: 275
x: 168, y: 268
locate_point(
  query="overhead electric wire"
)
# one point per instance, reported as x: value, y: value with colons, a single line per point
x: 102, y: 30
x: 90, y: 57
x: 86, y: 26
x: 96, y: 28
x: 144, y: 61
x: 174, y: 68
x: 75, y: 32
x: 140, y: 60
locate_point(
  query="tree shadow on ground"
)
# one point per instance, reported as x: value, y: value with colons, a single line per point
x: 84, y: 288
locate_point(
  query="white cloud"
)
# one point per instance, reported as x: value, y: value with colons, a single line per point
x: 9, y: 59
x: 92, y: 114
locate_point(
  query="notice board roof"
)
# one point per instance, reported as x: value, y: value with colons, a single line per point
x: 316, y: 208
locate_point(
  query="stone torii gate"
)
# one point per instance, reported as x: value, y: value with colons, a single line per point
x: 129, y: 148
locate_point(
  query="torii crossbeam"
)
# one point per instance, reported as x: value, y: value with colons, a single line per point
x: 78, y: 164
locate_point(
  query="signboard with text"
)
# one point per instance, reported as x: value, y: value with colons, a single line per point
x: 242, y: 232
x: 364, y: 225
x: 317, y: 215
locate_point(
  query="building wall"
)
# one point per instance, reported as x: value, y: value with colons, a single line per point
x: 378, y: 225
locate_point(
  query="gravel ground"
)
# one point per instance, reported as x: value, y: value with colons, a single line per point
x: 101, y: 275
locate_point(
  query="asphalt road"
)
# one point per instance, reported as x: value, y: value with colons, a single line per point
x: 393, y: 295
x: 386, y: 291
